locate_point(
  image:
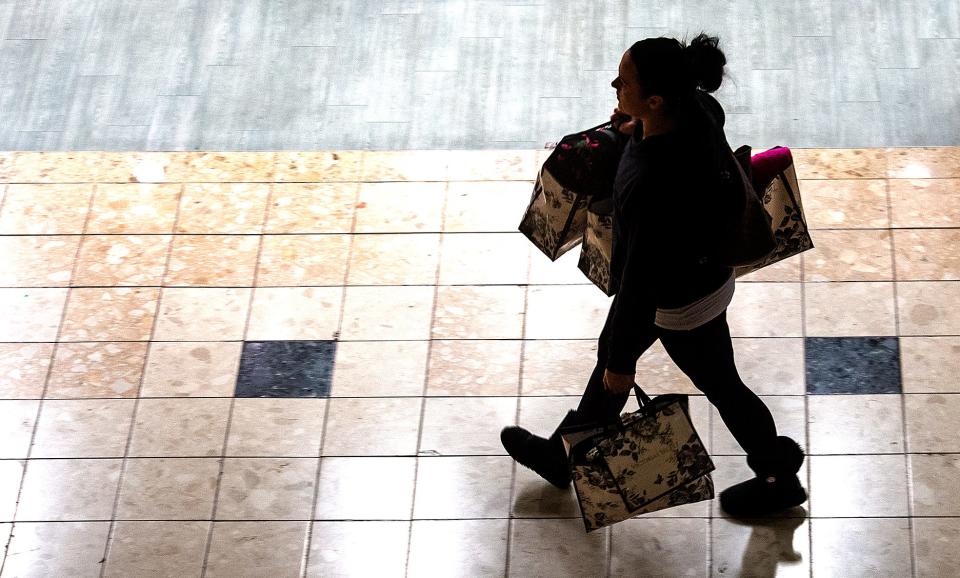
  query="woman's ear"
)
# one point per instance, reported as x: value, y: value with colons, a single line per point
x: 655, y: 103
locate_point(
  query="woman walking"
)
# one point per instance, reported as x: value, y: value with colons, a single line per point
x: 668, y: 288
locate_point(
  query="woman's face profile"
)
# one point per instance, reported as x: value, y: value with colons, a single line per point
x: 628, y: 91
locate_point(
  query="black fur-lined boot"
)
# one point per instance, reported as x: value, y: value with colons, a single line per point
x: 546, y: 457
x: 776, y: 487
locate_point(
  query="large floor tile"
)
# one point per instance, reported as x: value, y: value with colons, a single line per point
x: 850, y: 486
x: 267, y: 488
x: 484, y: 258
x: 400, y: 259
x: 910, y: 202
x: 312, y: 208
x: 557, y: 548
x: 563, y: 271
x: 769, y: 547
x: 373, y: 427
x: 405, y: 165
x: 788, y: 413
x: 765, y: 310
x: 463, y: 487
x: 938, y: 546
x: 927, y: 255
x: 156, y: 548
x: 122, y: 260
x: 565, y: 312
x: 98, y: 369
x: 771, y: 366
x: 850, y: 256
x: 458, y: 548
x: 866, y: 547
x: 534, y: 497
x: 474, y: 367
x: 23, y: 369
x: 477, y: 421
x: 930, y: 364
x: 237, y: 549
x: 855, y: 424
x: 45, y: 209
x: 202, y: 314
x: 931, y: 420
x: 63, y: 490
x: 858, y: 365
x: 303, y: 260
x: 191, y: 369
x: 478, y: 312
x: 845, y: 204
x: 317, y: 166
x: 491, y: 165
x: 387, y: 313
x: 276, y: 427
x: 168, y: 489
x: 134, y: 208
x: 929, y: 307
x: 831, y: 163
x: 485, y: 206
x: 923, y: 163
x: 31, y: 315
x: 212, y: 261
x: 344, y: 549
x: 224, y: 208
x: 37, y: 261
x: 216, y: 167
x: 286, y: 368
x: 557, y: 367
x: 16, y: 428
x: 400, y: 207
x: 56, y: 549
x: 179, y: 427
x: 110, y: 314
x: 83, y: 428
x: 11, y: 474
x: 849, y: 309
x: 379, y: 368
x: 649, y: 546
x: 935, y: 484
x: 346, y: 485
x: 295, y: 313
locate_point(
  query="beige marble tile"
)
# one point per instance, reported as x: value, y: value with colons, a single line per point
x: 137, y: 166
x: 563, y: 271
x: 379, y: 368
x: 649, y: 546
x: 303, y: 260
x: 850, y: 256
x: 558, y: 548
x: 850, y: 309
x: 844, y: 204
x: 212, y: 260
x: 541, y: 415
x: 55, y: 209
x: 343, y: 549
x: 788, y: 413
x: 474, y: 367
x: 284, y: 313
x: 6, y: 165
x: 557, y: 367
x: 401, y: 207
x: 444, y: 482
x: 37, y: 261
x: 118, y: 260
x: 179, y: 427
x: 927, y: 255
x: 346, y: 485
x: 372, y: 427
x: 394, y: 259
x: 168, y: 489
x: 565, y: 312
x: 31, y: 314
x: 237, y: 549
x: 222, y: 167
x: 16, y: 429
x: 923, y: 163
x: 929, y: 307
x: 765, y: 310
x: 60, y: 490
x: 862, y: 547
x: 937, y: 546
x: 931, y: 420
x: 312, y: 208
x: 267, y: 488
x: 485, y: 206
x: 930, y: 364
x: 492, y: 165
x: 23, y: 369
x: 840, y: 163
x: 317, y: 166
x: 11, y: 473
x: 191, y: 369
x: 80, y: 428
x: 387, y: 313
x: 134, y: 208
x: 276, y: 427
x: 484, y: 259
x: 733, y: 470
x: 223, y: 208
x: 57, y: 549
x: 657, y: 373
x: 163, y: 548
x: 911, y: 202
x: 477, y: 312
x: 786, y: 271
x: 448, y: 548
x: 202, y: 314
x: 425, y: 165
x: 110, y: 314
x: 771, y: 366
x: 64, y: 167
x: 855, y: 424
x: 98, y: 369
x: 872, y: 486
x: 534, y: 498
x: 935, y: 484
x: 769, y: 547
x: 477, y: 421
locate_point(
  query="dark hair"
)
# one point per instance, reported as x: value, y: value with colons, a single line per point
x: 672, y: 69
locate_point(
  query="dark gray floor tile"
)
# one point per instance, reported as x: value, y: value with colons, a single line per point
x: 286, y: 369
x: 859, y: 365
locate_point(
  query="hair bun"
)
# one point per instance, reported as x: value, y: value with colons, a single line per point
x: 706, y: 62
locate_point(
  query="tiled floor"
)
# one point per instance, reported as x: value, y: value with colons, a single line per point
x: 286, y: 364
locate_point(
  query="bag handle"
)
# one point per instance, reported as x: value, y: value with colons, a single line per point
x: 642, y: 398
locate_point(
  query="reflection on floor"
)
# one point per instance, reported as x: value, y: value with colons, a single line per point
x: 249, y: 364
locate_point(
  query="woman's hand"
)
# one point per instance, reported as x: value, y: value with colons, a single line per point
x: 623, y: 122
x: 618, y: 382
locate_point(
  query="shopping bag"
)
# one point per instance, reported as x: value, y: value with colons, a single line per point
x: 648, y: 460
x: 595, y: 253
x: 581, y: 167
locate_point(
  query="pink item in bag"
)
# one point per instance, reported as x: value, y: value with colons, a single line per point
x: 768, y: 164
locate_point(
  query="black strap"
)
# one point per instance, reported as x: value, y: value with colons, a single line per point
x: 642, y: 398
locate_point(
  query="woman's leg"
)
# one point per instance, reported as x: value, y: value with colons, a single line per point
x: 705, y: 355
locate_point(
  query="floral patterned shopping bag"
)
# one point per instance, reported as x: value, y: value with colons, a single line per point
x: 595, y: 253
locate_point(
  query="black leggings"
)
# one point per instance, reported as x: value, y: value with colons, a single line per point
x: 705, y: 355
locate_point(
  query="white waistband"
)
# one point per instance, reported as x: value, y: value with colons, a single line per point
x: 700, y: 311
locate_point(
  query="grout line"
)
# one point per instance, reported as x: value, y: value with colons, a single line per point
x: 222, y: 458
x: 806, y: 406
x: 46, y: 385
x: 308, y: 543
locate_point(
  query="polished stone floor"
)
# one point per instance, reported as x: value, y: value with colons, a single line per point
x: 297, y: 364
